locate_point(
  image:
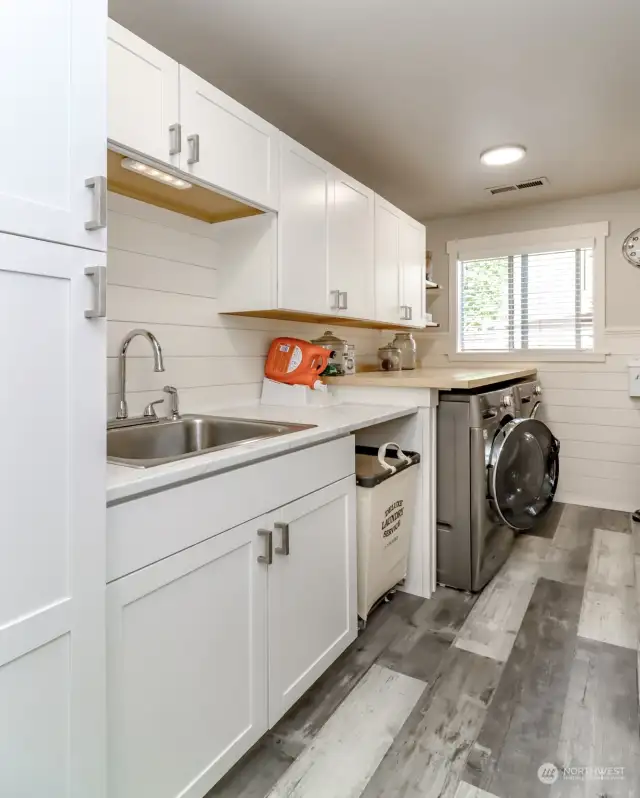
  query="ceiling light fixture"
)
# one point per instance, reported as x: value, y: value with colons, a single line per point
x: 155, y: 174
x: 503, y: 155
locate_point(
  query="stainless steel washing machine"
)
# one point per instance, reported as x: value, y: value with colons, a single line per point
x: 497, y: 475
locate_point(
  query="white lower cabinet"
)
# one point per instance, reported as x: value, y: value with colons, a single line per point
x: 187, y: 667
x: 312, y: 591
x: 207, y: 648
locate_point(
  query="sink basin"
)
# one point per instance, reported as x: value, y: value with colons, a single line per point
x: 165, y: 441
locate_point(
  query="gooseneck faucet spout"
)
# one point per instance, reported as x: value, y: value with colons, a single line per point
x: 158, y: 365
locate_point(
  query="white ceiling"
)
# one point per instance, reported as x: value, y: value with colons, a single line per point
x: 404, y: 94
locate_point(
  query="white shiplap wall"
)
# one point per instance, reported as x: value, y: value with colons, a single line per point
x: 162, y: 275
x: 588, y: 407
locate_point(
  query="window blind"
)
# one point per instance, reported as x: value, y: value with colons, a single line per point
x: 539, y: 300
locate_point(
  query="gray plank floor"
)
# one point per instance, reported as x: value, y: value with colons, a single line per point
x: 463, y: 696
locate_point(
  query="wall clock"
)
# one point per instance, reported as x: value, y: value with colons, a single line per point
x: 631, y: 247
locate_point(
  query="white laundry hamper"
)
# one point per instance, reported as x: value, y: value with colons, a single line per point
x: 386, y: 490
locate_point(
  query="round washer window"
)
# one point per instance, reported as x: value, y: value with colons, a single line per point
x: 523, y: 472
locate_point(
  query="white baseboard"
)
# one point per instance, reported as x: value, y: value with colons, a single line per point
x: 591, y: 501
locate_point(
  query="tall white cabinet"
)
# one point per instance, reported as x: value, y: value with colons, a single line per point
x: 52, y: 95
x: 52, y: 467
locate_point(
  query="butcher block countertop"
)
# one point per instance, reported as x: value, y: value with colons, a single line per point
x: 443, y: 379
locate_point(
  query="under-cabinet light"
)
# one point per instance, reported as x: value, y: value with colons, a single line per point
x: 153, y: 173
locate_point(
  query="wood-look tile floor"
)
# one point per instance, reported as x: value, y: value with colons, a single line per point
x: 464, y: 696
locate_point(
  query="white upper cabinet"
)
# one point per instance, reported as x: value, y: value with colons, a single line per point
x: 303, y: 229
x: 413, y: 247
x: 144, y: 92
x: 387, y: 261
x: 227, y: 145
x: 54, y: 130
x: 52, y: 535
x: 351, y: 237
x: 400, y: 249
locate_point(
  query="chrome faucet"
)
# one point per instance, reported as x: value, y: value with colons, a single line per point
x: 158, y: 365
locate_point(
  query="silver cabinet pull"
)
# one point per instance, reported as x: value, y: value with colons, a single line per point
x: 403, y: 312
x: 175, y: 138
x: 99, y: 275
x: 267, y: 558
x: 99, y: 186
x: 194, y: 148
x: 335, y: 296
x: 284, y: 548
x: 342, y: 300
x: 410, y: 312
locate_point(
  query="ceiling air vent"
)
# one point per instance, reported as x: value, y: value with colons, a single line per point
x: 501, y: 189
x: 535, y: 181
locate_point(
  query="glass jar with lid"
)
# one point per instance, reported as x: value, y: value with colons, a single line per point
x: 406, y: 343
x: 389, y: 358
x: 338, y: 353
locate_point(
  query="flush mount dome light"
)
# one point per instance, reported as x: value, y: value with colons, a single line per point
x: 154, y: 174
x: 503, y: 155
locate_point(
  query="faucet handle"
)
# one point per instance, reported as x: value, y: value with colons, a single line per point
x: 150, y: 411
x: 173, y: 393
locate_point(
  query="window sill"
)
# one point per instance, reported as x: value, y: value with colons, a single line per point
x: 528, y: 357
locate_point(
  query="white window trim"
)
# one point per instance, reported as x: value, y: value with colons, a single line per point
x: 556, y: 238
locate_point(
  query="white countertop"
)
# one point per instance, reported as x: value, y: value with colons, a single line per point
x: 332, y: 422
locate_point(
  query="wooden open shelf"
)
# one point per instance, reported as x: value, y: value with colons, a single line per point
x: 341, y: 321
x: 198, y: 202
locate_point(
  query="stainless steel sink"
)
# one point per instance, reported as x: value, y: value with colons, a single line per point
x: 166, y: 440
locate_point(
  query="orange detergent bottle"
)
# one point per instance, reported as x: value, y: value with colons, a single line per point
x: 295, y: 362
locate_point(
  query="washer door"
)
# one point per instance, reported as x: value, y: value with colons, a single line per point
x: 523, y: 471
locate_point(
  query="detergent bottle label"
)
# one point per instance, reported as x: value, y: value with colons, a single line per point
x: 296, y: 359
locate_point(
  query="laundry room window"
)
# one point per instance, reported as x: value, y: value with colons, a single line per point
x: 528, y: 294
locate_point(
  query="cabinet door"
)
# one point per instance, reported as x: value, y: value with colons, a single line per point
x: 413, y: 246
x: 388, y: 264
x: 312, y: 591
x: 227, y: 145
x: 303, y: 229
x: 52, y: 523
x: 53, y: 131
x: 187, y: 666
x: 351, y: 275
x: 144, y: 94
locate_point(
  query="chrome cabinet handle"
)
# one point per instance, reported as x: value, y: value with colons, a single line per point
x: 194, y: 148
x: 342, y: 300
x: 284, y: 548
x: 99, y: 186
x: 403, y: 312
x: 267, y: 558
x: 335, y: 295
x: 99, y: 275
x: 410, y: 313
x: 175, y: 138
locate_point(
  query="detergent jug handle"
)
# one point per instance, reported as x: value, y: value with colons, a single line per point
x: 319, y: 361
